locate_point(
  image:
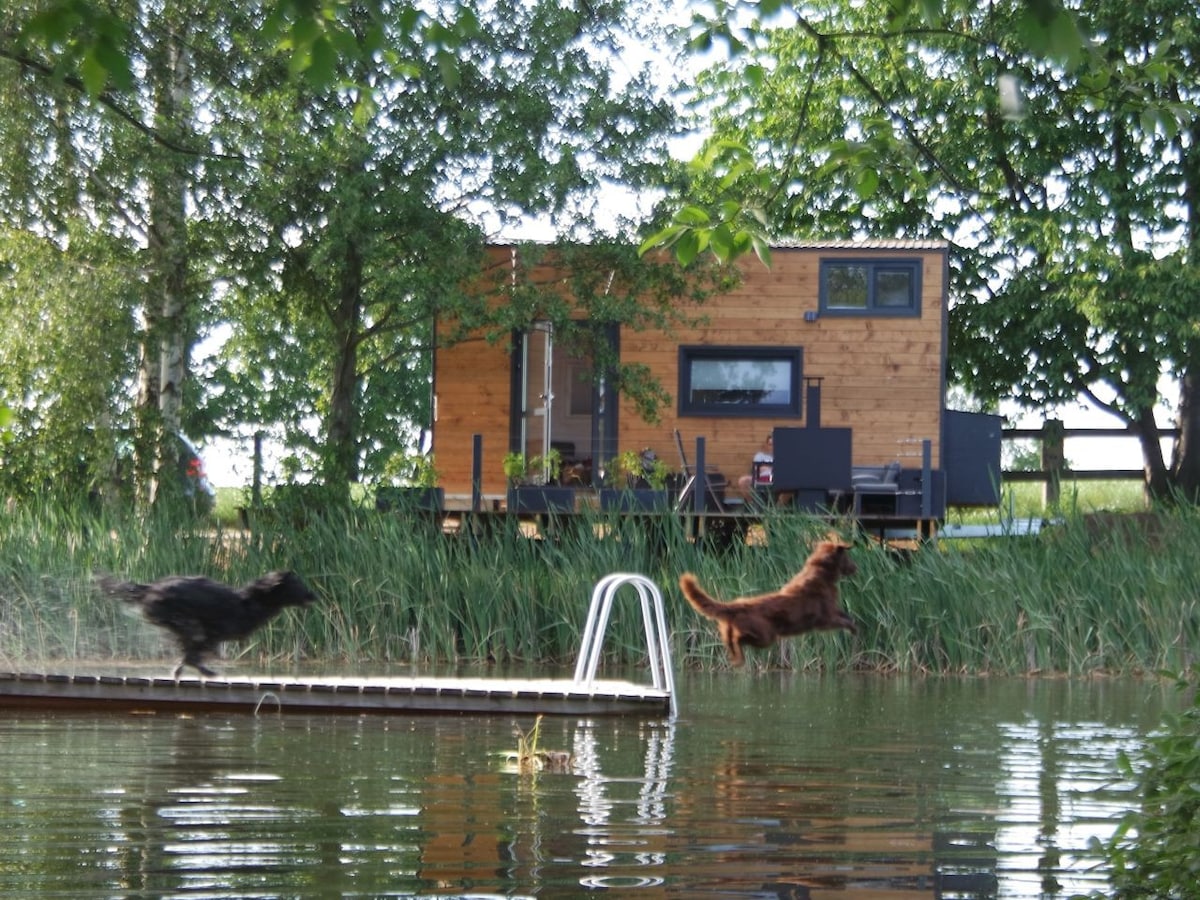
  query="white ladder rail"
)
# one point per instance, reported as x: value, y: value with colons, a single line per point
x: 653, y: 620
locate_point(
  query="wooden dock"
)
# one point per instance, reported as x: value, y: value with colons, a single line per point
x: 582, y: 695
x: 386, y: 695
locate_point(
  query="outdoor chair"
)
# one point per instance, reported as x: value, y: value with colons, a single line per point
x: 714, y: 482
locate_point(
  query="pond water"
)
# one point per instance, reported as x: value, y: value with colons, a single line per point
x: 764, y: 786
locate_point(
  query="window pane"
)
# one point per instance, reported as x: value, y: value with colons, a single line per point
x: 893, y: 288
x: 741, y: 382
x: 846, y: 287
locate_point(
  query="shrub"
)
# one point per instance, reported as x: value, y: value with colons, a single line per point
x: 1153, y: 852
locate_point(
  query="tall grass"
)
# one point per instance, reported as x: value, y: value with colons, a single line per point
x: 398, y: 591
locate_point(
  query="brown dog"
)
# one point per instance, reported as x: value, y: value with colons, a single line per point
x: 809, y: 602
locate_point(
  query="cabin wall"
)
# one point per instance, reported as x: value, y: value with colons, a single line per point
x: 881, y: 376
x: 471, y: 390
x: 471, y: 395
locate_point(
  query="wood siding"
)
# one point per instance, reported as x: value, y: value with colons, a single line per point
x: 883, y: 377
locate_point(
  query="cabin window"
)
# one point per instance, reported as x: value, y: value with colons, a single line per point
x: 739, y: 381
x: 890, y: 287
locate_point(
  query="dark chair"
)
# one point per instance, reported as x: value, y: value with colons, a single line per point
x: 714, y: 482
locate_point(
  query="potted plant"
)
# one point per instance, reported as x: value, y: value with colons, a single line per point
x: 533, y: 483
x: 414, y: 486
x: 635, y: 481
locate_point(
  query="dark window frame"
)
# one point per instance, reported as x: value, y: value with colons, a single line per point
x: 913, y: 266
x: 690, y: 353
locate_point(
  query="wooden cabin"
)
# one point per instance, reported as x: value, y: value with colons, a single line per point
x: 839, y: 345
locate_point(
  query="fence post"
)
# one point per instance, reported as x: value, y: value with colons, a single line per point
x: 1053, y: 461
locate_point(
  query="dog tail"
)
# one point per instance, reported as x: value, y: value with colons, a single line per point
x: 699, y: 599
x: 127, y: 591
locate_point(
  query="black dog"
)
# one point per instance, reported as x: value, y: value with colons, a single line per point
x: 201, y: 613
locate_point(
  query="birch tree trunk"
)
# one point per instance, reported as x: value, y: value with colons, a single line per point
x: 167, y: 307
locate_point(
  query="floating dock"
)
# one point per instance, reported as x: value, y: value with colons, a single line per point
x: 582, y: 695
x: 270, y: 694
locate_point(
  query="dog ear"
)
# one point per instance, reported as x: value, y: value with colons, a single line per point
x: 276, y: 579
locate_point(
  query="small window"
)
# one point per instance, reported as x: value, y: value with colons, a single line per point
x: 739, y: 381
x: 871, y: 287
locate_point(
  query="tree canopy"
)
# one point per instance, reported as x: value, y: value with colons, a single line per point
x: 1056, y: 150
x: 319, y: 178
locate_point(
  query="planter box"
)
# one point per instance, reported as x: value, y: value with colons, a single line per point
x: 410, y: 499
x: 634, y: 500
x: 528, y: 498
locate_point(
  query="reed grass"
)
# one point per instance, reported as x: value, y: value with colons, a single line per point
x: 395, y: 591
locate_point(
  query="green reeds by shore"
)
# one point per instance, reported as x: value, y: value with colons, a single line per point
x: 1076, y: 599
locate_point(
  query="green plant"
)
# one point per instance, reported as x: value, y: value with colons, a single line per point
x: 1152, y: 854
x: 412, y: 469
x: 530, y: 758
x: 514, y: 467
x: 635, y: 467
x: 543, y: 468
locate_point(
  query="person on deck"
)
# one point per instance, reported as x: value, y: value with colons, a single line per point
x: 760, y: 468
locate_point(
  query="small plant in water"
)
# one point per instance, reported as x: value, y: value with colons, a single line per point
x: 531, y: 759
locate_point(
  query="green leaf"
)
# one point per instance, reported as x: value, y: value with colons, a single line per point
x: 109, y: 55
x: 687, y: 248
x: 664, y: 238
x: 300, y: 60
x: 866, y: 183
x: 762, y: 249
x: 467, y: 26
x: 305, y: 31
x: 93, y: 72
x: 722, y: 243
x: 447, y: 64
x: 54, y: 25
x: 322, y: 62
x: 692, y: 215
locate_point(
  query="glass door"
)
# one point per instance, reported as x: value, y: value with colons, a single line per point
x: 537, y: 392
x: 559, y: 404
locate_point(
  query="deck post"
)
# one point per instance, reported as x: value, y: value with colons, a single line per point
x: 926, y: 479
x: 476, y: 473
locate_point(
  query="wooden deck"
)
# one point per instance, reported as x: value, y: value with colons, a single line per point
x: 386, y: 695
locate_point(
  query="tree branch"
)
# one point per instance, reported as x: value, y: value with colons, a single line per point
x: 109, y: 100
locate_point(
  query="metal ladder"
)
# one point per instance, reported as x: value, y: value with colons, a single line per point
x: 653, y: 618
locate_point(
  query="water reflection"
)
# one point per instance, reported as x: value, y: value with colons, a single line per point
x: 763, y: 787
x: 614, y: 840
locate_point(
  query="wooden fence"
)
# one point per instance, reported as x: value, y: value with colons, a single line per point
x: 1054, y: 471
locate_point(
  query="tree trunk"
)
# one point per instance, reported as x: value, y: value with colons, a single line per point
x: 165, y: 344
x: 1157, y: 480
x: 1185, y: 461
x: 341, y: 451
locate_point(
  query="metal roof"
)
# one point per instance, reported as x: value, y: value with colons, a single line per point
x: 865, y: 244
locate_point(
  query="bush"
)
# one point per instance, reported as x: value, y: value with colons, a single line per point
x: 1153, y: 853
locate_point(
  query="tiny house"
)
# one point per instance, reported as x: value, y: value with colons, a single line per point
x: 838, y: 349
